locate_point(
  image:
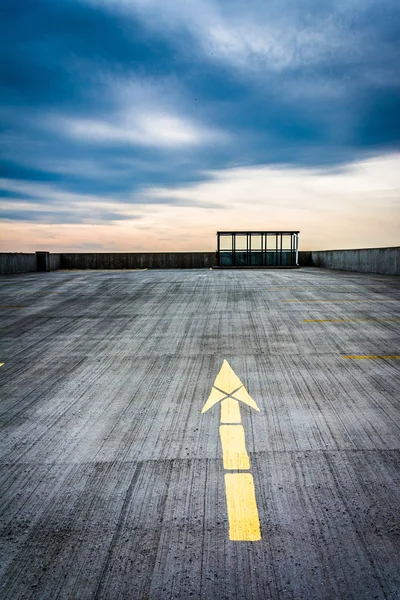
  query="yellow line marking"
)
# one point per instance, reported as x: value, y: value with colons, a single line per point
x: 307, y: 287
x: 244, y: 523
x: 234, y: 447
x: 372, y: 356
x: 13, y: 306
x: 351, y: 320
x: 1, y: 364
x: 366, y: 300
x: 227, y: 383
x: 230, y: 411
x: 323, y: 287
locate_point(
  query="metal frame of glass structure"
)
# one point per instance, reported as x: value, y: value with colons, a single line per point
x: 258, y: 249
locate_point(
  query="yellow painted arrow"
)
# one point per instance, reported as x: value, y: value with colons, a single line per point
x: 229, y: 390
x: 244, y: 523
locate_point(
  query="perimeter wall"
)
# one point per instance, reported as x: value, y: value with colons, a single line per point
x: 17, y: 262
x: 369, y: 260
x: 138, y: 260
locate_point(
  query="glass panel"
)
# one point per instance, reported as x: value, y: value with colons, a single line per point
x: 255, y: 242
x: 271, y: 258
x: 286, y: 241
x: 256, y: 250
x: 271, y: 242
x: 241, y: 257
x: 225, y: 242
x: 241, y: 242
x: 271, y: 255
x: 226, y: 258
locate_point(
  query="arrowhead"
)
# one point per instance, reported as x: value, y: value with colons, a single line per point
x: 225, y: 384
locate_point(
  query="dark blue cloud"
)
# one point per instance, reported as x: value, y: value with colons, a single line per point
x: 330, y: 95
x: 379, y: 119
x: 44, y: 41
x: 49, y: 216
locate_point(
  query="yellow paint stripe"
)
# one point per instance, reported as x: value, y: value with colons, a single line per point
x: 226, y: 383
x: 227, y: 379
x: 1, y: 364
x: 230, y: 411
x: 340, y: 300
x: 371, y: 356
x: 214, y: 397
x: 234, y: 447
x: 343, y: 290
x: 306, y: 287
x: 351, y: 321
x: 12, y: 306
x: 243, y: 395
x: 244, y: 523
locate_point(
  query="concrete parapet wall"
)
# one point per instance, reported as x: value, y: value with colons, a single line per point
x: 138, y: 260
x: 149, y: 260
x: 369, y: 260
x: 305, y: 258
x: 55, y: 262
x: 17, y: 262
x: 21, y: 262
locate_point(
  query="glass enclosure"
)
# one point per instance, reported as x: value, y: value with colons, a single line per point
x: 258, y: 248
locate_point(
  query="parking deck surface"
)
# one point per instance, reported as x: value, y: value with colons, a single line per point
x: 113, y: 482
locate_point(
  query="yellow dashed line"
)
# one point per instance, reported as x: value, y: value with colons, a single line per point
x: 366, y: 300
x: 234, y: 447
x: 319, y: 287
x: 230, y: 411
x: 14, y: 306
x: 372, y: 356
x: 244, y: 523
x: 351, y: 321
x: 306, y: 287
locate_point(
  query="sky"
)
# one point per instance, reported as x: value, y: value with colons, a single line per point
x: 148, y: 125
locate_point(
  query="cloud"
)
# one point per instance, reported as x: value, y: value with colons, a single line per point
x: 278, y: 186
x: 140, y: 112
x: 356, y: 205
x: 260, y: 35
x: 46, y: 203
x: 118, y: 108
x: 32, y: 214
x: 156, y: 130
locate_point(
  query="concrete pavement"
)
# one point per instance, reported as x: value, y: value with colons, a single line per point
x: 113, y: 482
